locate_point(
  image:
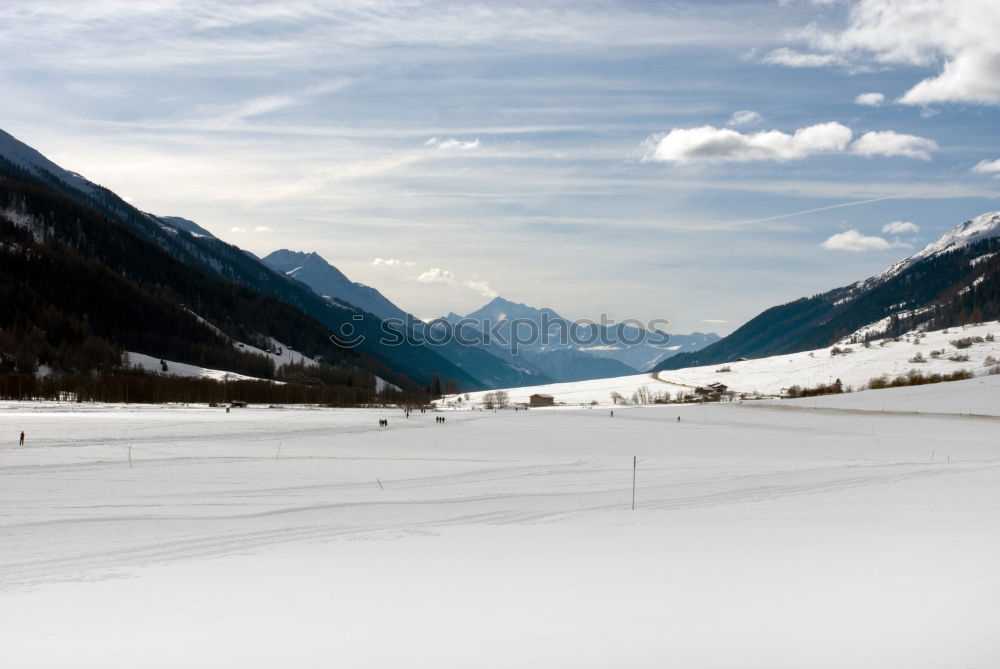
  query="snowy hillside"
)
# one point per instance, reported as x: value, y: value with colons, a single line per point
x: 855, y: 367
x: 151, y: 364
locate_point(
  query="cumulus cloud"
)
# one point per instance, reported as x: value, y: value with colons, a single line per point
x: 237, y: 229
x: 392, y: 262
x: 891, y: 143
x: 452, y: 144
x: 900, y: 228
x: 438, y: 275
x: 262, y: 228
x: 852, y: 240
x: 745, y: 117
x: 988, y: 167
x: 710, y: 144
x: 870, y: 99
x: 713, y: 320
x: 957, y: 39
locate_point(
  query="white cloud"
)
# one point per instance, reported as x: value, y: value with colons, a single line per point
x: 480, y: 287
x: 259, y: 228
x: 852, y: 240
x: 438, y: 275
x: 452, y: 144
x: 900, y: 228
x: 392, y: 262
x: 745, y: 117
x: 713, y: 320
x: 988, y: 167
x: 870, y: 99
x: 957, y: 38
x: 710, y: 144
x: 791, y: 58
x: 891, y: 143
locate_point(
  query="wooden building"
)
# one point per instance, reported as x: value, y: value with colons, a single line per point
x: 541, y: 400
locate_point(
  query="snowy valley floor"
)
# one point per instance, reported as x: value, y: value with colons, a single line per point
x: 762, y: 537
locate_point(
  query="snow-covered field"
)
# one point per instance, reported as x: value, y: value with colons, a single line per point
x: 761, y: 537
x: 771, y: 376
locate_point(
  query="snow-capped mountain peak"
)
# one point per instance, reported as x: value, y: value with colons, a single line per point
x: 969, y: 232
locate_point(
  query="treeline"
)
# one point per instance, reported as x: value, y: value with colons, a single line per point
x: 76, y: 316
x: 834, y: 388
x: 77, y: 290
x: 137, y: 387
x: 916, y: 378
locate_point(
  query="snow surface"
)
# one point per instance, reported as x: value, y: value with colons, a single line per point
x: 151, y: 364
x: 761, y: 537
x: 770, y: 376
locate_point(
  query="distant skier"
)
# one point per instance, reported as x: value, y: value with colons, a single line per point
x: 22, y: 438
x: 612, y: 413
x: 678, y: 419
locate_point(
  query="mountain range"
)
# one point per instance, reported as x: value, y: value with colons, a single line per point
x: 604, y: 350
x: 570, y: 350
x: 86, y: 274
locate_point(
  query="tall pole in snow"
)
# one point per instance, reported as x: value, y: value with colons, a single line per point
x: 633, y: 481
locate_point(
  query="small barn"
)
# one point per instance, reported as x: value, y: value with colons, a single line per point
x: 541, y: 400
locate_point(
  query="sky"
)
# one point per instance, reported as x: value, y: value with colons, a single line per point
x: 697, y: 162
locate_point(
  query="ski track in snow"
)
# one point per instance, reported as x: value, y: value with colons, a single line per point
x: 205, y: 484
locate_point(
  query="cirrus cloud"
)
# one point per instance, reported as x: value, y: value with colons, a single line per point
x: 791, y: 58
x: 452, y: 144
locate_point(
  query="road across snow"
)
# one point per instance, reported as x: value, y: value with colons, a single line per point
x: 311, y: 538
